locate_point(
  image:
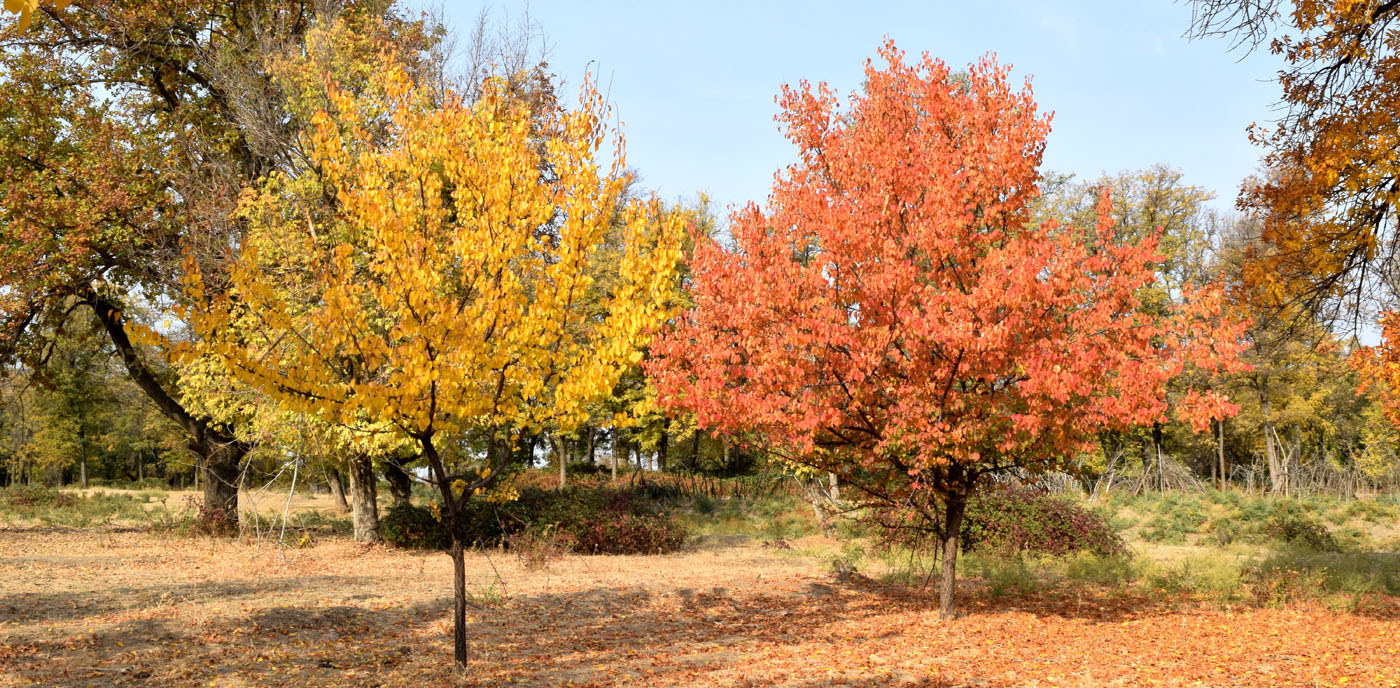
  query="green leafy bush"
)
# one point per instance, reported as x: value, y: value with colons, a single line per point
x: 413, y: 527
x: 1182, y: 515
x: 1298, y: 529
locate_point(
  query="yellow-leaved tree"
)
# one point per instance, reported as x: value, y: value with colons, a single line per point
x: 421, y: 276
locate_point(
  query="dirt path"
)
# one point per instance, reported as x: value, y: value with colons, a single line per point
x: 79, y: 609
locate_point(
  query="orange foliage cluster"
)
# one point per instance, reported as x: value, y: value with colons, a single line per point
x: 894, y: 300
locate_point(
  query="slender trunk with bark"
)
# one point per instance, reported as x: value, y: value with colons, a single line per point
x: 835, y: 487
x: 1277, y: 479
x: 952, y: 523
x: 617, y: 444
x: 695, y: 451
x: 560, y: 459
x: 661, y: 449
x: 82, y: 461
x: 364, y: 495
x: 1295, y: 463
x: 337, y: 485
x: 400, y: 483
x: 459, y: 602
x: 1157, y: 450
x: 1220, y: 449
x: 592, y: 447
x: 1146, y: 466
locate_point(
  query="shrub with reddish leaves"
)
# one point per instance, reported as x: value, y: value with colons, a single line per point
x: 1013, y: 520
x: 591, y: 520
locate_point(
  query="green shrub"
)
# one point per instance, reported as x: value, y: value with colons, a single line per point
x: 1178, y: 516
x: 1293, y: 528
x: 413, y: 527
x: 1295, y: 575
x: 1087, y: 567
x: 1005, y: 575
x: 52, y: 507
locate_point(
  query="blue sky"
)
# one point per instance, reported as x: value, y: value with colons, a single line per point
x: 694, y: 82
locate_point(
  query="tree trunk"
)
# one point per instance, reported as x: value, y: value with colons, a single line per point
x: 400, y: 483
x: 1157, y: 449
x: 1295, y: 463
x: 337, y: 485
x: 82, y: 461
x: 661, y: 450
x: 1277, y: 483
x: 459, y: 602
x: 221, y: 452
x: 140, y: 468
x: 222, y: 462
x: 560, y: 459
x: 957, y: 503
x: 695, y: 451
x: 363, y: 498
x: 1220, y: 447
x: 592, y: 447
x: 617, y: 444
x: 835, y: 487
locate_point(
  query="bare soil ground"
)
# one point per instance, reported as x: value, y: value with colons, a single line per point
x: 80, y: 608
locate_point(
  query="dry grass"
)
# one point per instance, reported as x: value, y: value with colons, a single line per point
x: 128, y: 608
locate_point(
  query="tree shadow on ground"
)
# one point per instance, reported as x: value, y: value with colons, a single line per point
x: 602, y: 636
x: 57, y: 606
x: 598, y: 636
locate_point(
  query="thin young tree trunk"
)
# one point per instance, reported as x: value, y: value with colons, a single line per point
x: 957, y: 504
x: 1295, y: 463
x: 1157, y: 449
x: 364, y: 498
x: 337, y: 485
x: 592, y: 448
x: 459, y: 602
x: 1146, y: 466
x: 835, y: 487
x: 617, y: 444
x: 82, y: 461
x: 1277, y: 482
x: 661, y: 448
x: 1220, y: 449
x: 561, y: 460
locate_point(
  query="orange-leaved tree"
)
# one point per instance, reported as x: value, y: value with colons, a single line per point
x: 1379, y: 367
x: 1329, y: 200
x: 422, y: 277
x: 892, y: 316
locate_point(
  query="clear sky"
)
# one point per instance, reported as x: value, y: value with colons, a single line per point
x: 694, y: 82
